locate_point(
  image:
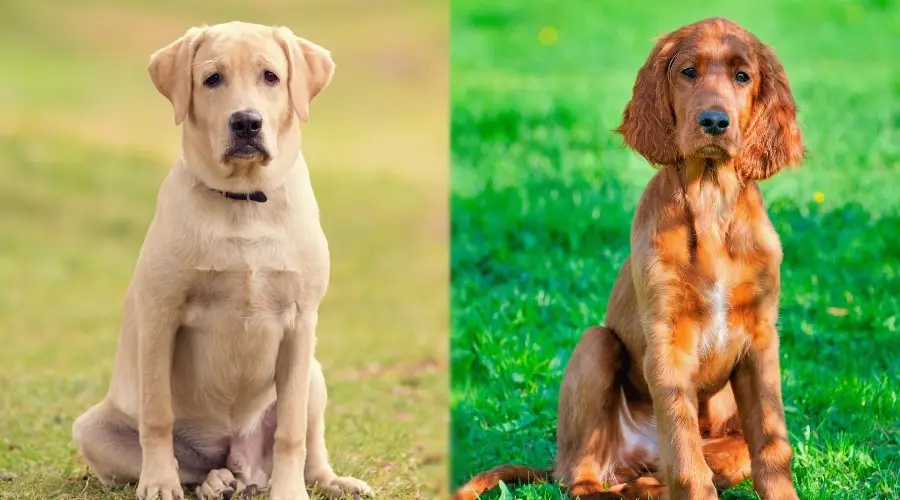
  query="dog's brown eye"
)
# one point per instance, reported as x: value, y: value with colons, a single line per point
x: 689, y: 72
x: 741, y: 77
x: 213, y: 80
x: 270, y: 78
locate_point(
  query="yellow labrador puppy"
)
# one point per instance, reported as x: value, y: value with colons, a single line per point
x: 220, y: 316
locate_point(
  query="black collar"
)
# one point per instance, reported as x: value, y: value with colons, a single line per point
x: 257, y: 196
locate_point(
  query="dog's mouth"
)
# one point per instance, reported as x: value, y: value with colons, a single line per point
x: 714, y: 152
x: 247, y: 151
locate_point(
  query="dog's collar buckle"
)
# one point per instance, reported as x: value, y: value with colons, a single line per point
x: 257, y: 196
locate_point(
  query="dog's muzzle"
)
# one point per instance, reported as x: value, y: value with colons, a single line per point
x: 246, y: 137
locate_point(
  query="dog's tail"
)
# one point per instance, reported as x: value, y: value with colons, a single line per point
x: 506, y: 473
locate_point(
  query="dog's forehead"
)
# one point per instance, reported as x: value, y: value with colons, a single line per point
x: 725, y: 50
x: 716, y: 43
x: 234, y: 43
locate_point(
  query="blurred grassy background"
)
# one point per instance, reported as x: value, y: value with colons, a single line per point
x: 84, y: 143
x: 543, y: 193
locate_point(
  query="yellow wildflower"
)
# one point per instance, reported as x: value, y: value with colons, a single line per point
x: 548, y: 35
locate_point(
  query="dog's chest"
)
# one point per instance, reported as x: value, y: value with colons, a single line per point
x: 245, y: 281
x: 245, y: 295
x: 719, y: 339
x: 714, y: 334
x: 727, y: 291
x: 727, y: 275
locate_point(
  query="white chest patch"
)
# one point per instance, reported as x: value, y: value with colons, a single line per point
x: 715, y: 336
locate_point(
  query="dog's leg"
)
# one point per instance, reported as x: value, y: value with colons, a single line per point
x: 157, y: 323
x: 727, y: 457
x: 250, y: 458
x: 669, y: 367
x: 292, y: 377
x: 757, y: 389
x: 588, y: 434
x: 318, y: 470
x: 112, y: 449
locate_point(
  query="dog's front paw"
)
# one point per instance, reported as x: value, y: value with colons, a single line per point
x: 160, y: 485
x: 347, y: 487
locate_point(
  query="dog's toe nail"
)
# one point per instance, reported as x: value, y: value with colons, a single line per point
x: 228, y: 493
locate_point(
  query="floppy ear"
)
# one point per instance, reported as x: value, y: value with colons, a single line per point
x: 648, y: 124
x: 170, y: 71
x: 310, y: 68
x: 773, y: 139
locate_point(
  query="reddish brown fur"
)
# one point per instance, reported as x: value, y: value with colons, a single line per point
x: 679, y: 394
x: 506, y: 473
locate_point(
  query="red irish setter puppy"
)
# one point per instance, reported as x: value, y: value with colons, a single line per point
x: 679, y: 394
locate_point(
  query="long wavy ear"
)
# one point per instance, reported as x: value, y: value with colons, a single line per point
x: 310, y: 68
x: 648, y: 123
x: 773, y: 140
x: 170, y: 71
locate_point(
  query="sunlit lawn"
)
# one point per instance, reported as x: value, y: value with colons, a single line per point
x: 84, y: 144
x: 542, y: 199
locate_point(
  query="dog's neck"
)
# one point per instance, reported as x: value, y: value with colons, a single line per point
x: 255, y: 196
x: 245, y: 199
x: 711, y: 190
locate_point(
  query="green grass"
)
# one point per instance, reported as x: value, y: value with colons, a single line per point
x: 84, y: 144
x: 543, y: 194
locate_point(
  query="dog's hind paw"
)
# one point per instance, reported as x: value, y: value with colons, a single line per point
x: 219, y: 484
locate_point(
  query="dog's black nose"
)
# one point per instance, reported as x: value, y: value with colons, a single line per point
x: 713, y: 122
x: 245, y: 124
